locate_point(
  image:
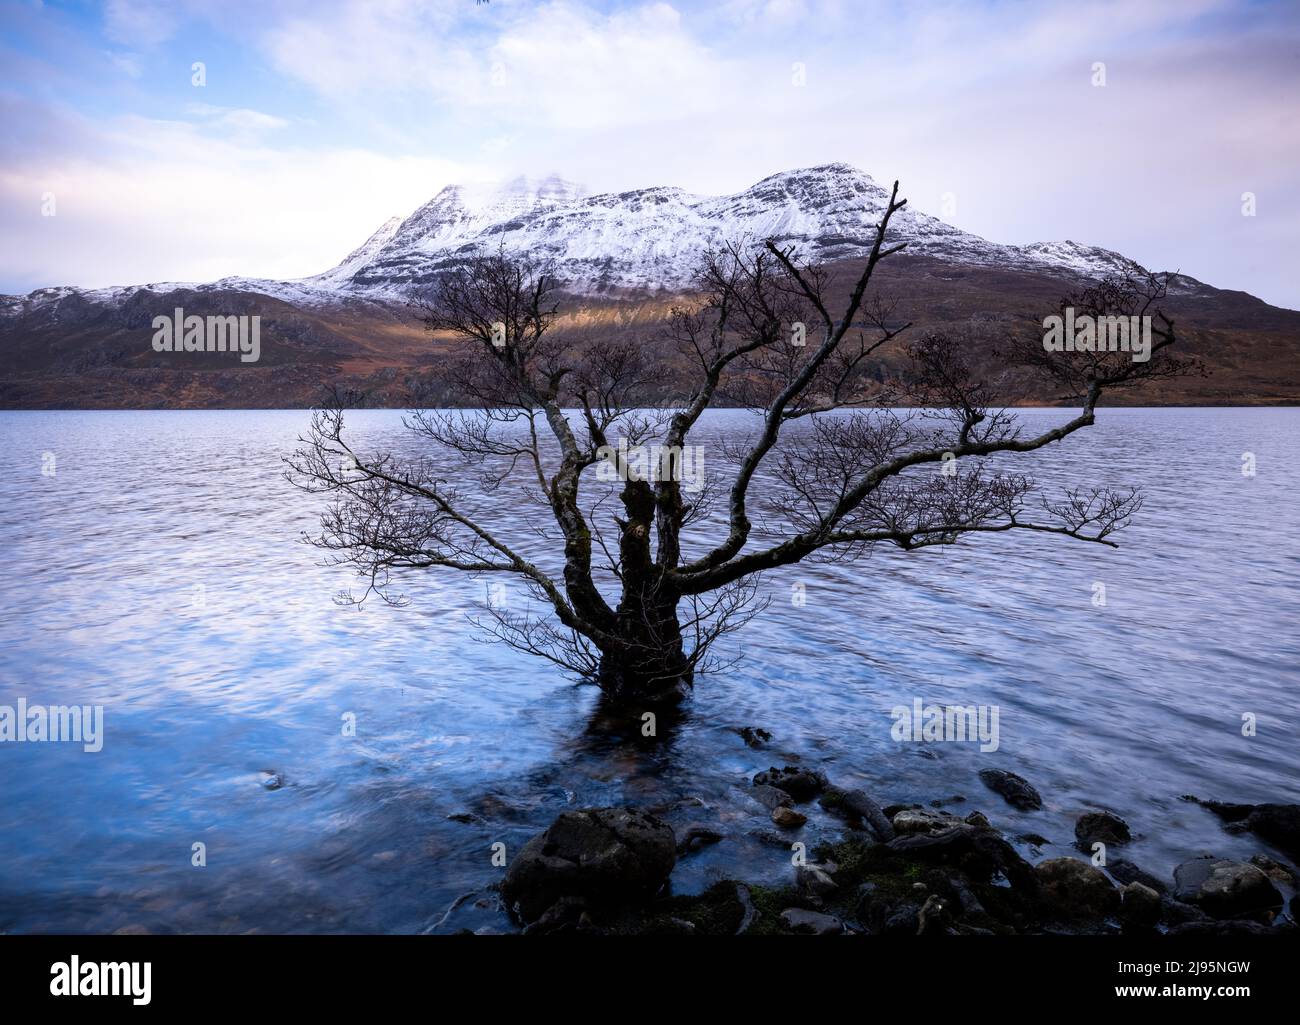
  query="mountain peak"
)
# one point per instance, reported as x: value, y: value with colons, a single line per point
x: 832, y: 175
x: 836, y: 168
x: 655, y: 237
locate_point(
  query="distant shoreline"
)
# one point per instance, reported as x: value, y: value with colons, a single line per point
x: 377, y: 409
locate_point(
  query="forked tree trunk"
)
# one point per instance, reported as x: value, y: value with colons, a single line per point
x: 646, y: 664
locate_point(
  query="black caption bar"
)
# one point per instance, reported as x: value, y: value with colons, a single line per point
x: 84, y: 975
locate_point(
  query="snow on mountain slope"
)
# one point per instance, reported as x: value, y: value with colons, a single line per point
x: 655, y: 238
x: 645, y: 239
x: 461, y: 212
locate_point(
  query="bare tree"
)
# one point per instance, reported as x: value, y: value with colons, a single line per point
x: 643, y: 578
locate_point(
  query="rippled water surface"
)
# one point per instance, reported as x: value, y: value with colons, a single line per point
x: 158, y: 572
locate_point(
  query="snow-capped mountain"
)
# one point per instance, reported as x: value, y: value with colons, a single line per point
x: 654, y: 238
x: 645, y: 240
x: 624, y: 257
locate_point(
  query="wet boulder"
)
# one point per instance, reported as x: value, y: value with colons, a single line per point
x: 1126, y: 872
x: 1275, y: 870
x: 981, y: 854
x: 1073, y: 890
x: 1101, y: 827
x: 923, y: 820
x: 1015, y: 790
x: 755, y: 736
x: 1225, y: 889
x: 602, y: 857
x: 1278, y: 824
x: 815, y: 880
x: 800, y: 784
x: 1139, y: 907
x: 978, y: 819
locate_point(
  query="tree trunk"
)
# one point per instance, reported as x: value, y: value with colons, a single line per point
x: 649, y: 667
x: 644, y: 663
x: 645, y: 684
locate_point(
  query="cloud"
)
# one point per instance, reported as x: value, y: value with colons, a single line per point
x: 140, y: 23
x: 126, y: 63
x: 563, y: 66
x: 142, y: 200
x: 237, y: 122
x: 343, y: 49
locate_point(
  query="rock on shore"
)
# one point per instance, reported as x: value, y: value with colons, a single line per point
x: 914, y: 871
x: 1015, y: 790
x: 590, y: 858
x: 1225, y: 889
x: 1275, y: 823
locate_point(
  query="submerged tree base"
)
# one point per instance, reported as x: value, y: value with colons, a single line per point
x: 647, y: 686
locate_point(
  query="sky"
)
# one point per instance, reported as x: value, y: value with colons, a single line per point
x: 180, y: 140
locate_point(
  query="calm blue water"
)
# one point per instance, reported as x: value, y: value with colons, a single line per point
x: 158, y: 572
